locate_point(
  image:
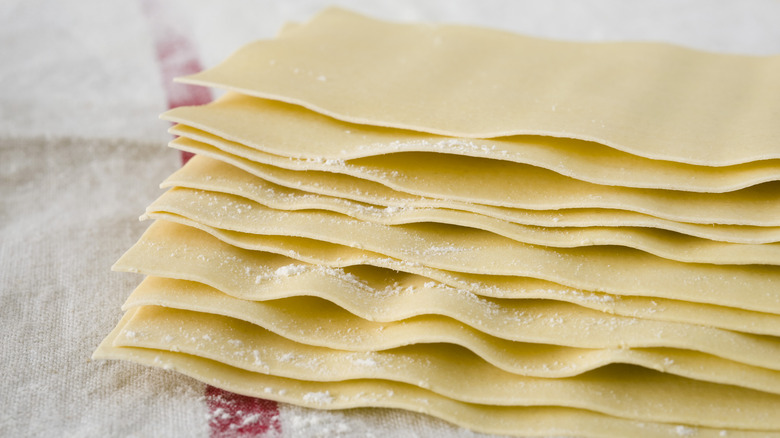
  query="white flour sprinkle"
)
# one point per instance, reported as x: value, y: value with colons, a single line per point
x: 442, y: 250
x: 685, y: 430
x: 290, y: 270
x: 321, y: 398
x: 334, y: 162
x: 326, y: 161
x: 250, y: 419
x: 287, y: 357
x: 258, y: 361
x: 367, y: 362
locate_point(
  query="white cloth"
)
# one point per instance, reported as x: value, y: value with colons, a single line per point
x: 82, y: 153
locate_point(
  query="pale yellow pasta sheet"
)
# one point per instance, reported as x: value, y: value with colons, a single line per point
x: 292, y: 131
x: 620, y: 391
x: 205, y: 173
x: 516, y: 235
x: 381, y: 294
x: 517, y: 357
x: 516, y: 421
x: 711, y: 289
x: 758, y: 205
x: 234, y: 212
x: 597, y: 268
x: 302, y: 318
x: 649, y: 99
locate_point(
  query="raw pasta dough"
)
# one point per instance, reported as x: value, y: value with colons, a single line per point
x: 291, y: 131
x: 516, y: 235
x: 651, y: 100
x: 455, y: 374
x: 302, y: 319
x: 205, y: 173
x: 235, y: 213
x: 591, y: 268
x: 516, y: 421
x: 337, y: 256
x: 380, y: 294
x: 758, y: 205
x: 537, y: 360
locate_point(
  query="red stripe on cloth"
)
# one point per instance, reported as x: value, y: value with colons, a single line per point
x: 230, y: 415
x: 176, y: 56
x: 238, y: 416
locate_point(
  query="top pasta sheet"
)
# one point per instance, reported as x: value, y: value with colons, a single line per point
x: 653, y: 100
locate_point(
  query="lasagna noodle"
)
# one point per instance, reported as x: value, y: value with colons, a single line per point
x: 517, y: 421
x: 570, y: 325
x: 596, y: 268
x: 205, y: 173
x: 380, y: 294
x: 292, y: 131
x: 335, y: 251
x: 654, y: 396
x: 234, y: 212
x: 523, y: 358
x: 757, y: 205
x: 653, y: 100
x: 339, y: 256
